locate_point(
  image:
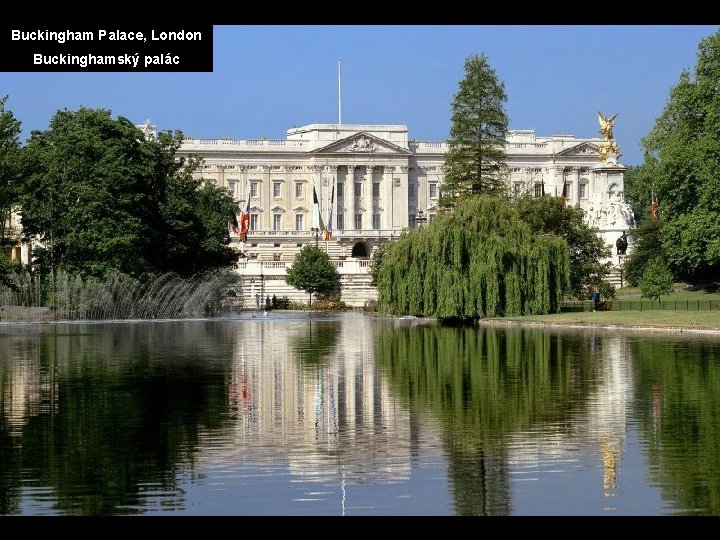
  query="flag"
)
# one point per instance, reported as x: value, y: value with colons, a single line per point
x: 245, y: 220
x: 317, y: 220
x: 328, y: 227
x: 653, y: 209
x: 233, y: 227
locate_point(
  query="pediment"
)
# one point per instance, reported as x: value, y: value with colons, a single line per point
x: 300, y: 210
x: 362, y: 143
x: 582, y: 149
x: 278, y: 209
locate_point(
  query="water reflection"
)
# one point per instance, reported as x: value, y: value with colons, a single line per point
x: 296, y: 414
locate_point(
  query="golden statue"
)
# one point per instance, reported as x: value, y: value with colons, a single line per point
x: 606, y: 129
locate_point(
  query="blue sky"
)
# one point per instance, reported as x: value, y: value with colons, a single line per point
x: 267, y: 79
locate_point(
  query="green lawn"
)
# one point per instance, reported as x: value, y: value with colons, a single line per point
x: 648, y: 318
x: 663, y: 318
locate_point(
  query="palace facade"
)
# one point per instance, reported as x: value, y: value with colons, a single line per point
x: 373, y: 181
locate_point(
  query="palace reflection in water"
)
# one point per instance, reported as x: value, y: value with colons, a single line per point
x: 297, y: 414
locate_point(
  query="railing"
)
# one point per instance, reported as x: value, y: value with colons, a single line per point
x: 644, y: 305
x: 254, y: 267
x: 338, y: 233
x: 242, y: 142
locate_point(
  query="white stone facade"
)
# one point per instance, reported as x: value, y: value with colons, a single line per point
x: 384, y: 182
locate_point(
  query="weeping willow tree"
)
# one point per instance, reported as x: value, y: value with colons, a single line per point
x: 480, y: 260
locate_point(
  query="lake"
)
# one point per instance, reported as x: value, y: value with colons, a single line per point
x: 299, y: 414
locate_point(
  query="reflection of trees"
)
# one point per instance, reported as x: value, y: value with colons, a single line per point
x: 9, y: 470
x: 485, y: 385
x: 121, y: 413
x: 316, y: 344
x: 678, y: 384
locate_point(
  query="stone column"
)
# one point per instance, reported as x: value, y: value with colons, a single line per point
x: 387, y: 197
x: 265, y: 193
x: 367, y: 200
x: 400, y: 188
x: 349, y: 197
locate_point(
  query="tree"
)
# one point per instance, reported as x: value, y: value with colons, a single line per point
x: 195, y: 216
x: 681, y: 158
x: 9, y: 154
x: 656, y: 280
x: 480, y: 260
x: 476, y: 159
x: 647, y: 246
x: 101, y: 198
x: 550, y: 215
x: 312, y: 271
x: 376, y: 262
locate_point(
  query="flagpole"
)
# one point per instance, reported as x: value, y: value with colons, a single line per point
x: 339, y: 96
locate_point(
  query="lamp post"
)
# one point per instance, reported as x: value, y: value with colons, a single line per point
x: 316, y: 232
x: 420, y: 219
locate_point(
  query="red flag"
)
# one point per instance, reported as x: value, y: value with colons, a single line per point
x: 245, y: 220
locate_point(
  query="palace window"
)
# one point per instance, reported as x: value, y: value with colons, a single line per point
x: 276, y: 189
x: 340, y: 190
x: 568, y: 187
x: 376, y: 221
x: 254, y: 222
x: 583, y: 190
x: 411, y: 221
x: 299, y: 222
x: 277, y: 222
x: 232, y: 188
x: 539, y: 189
x: 433, y: 190
x: 341, y: 221
x: 376, y: 190
x: 253, y: 189
x: 358, y: 222
x: 298, y: 189
x: 358, y: 189
x: 412, y: 192
x: 517, y: 189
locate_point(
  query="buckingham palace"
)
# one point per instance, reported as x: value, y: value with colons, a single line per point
x: 373, y: 181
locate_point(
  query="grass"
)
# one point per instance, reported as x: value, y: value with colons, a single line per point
x: 654, y: 318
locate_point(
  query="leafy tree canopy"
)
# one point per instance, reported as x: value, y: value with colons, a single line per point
x: 656, y: 280
x: 102, y: 198
x: 550, y: 215
x: 682, y: 153
x: 312, y: 271
x: 9, y: 150
x: 479, y: 260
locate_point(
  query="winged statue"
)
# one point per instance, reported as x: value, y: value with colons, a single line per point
x: 606, y: 125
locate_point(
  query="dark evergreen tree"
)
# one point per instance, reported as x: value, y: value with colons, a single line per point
x: 476, y: 160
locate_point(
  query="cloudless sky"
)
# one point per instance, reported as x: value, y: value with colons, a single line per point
x: 267, y: 79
